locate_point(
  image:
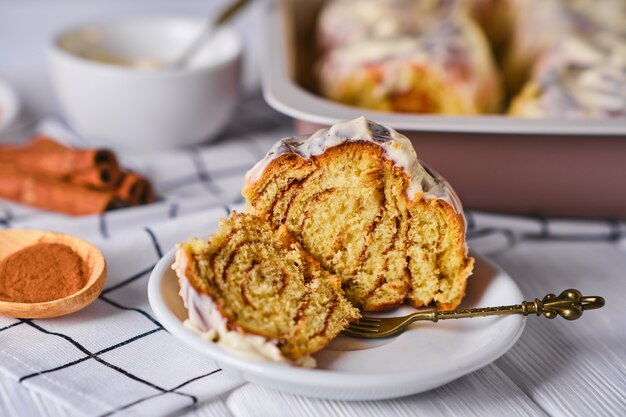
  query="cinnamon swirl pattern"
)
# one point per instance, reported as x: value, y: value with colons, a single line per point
x: 261, y: 284
x: 357, y: 199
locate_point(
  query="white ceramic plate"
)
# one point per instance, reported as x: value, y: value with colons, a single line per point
x: 426, y: 356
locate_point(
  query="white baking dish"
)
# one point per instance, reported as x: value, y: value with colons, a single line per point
x: 500, y: 163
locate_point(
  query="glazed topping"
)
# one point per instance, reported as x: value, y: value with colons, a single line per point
x: 447, y: 39
x: 590, y: 16
x: 346, y: 21
x: 397, y: 148
x: 558, y: 20
x: 206, y: 319
x: 584, y: 78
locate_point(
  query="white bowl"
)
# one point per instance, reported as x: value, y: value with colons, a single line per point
x: 139, y: 108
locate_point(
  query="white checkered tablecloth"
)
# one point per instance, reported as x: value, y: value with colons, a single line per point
x: 114, y: 358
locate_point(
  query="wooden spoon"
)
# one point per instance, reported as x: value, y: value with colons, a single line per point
x: 12, y: 241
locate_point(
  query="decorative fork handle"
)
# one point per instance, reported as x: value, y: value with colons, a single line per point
x: 570, y: 305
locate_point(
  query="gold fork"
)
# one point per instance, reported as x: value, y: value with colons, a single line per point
x: 570, y: 305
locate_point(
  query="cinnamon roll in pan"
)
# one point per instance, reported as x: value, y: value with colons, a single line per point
x: 449, y: 71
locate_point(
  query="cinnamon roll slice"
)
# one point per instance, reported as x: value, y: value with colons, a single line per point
x: 357, y: 199
x: 255, y: 291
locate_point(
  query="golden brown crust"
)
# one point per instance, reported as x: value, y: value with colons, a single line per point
x: 525, y: 103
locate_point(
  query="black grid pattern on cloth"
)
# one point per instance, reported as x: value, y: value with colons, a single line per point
x: 96, y: 355
x: 173, y: 210
x: 11, y: 325
x: 613, y: 232
x: 6, y: 215
x: 149, y: 397
x: 474, y: 231
x: 92, y: 355
x: 102, y: 225
x: 256, y: 117
x: 89, y: 356
x: 203, y: 176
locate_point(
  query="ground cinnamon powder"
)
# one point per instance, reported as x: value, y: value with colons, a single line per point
x: 41, y: 272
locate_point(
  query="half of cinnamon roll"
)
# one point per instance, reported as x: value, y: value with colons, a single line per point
x: 252, y: 289
x: 357, y: 199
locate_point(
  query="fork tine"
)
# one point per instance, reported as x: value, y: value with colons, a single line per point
x: 375, y: 328
x: 357, y: 328
x: 348, y: 332
x: 359, y: 333
x: 366, y: 324
x: 369, y: 320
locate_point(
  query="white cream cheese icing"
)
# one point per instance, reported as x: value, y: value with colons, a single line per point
x: 342, y: 22
x: 584, y: 78
x: 423, y: 182
x: 206, y: 319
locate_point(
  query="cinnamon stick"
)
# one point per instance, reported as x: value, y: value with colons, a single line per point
x: 43, y: 156
x: 44, y: 142
x: 52, y: 176
x: 103, y: 177
x: 53, y: 194
x: 135, y: 189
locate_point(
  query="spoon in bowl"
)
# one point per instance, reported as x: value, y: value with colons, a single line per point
x: 12, y: 241
x: 223, y: 17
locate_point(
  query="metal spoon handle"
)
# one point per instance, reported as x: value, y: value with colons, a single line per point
x: 224, y: 16
x: 570, y: 305
x: 230, y: 12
